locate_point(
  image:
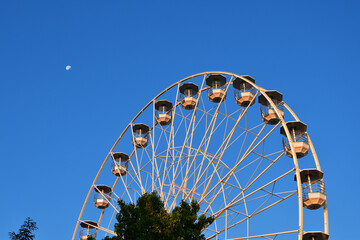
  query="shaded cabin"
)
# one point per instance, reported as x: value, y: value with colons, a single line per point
x: 120, y: 164
x: 188, y: 95
x: 163, y: 112
x: 315, y: 236
x: 88, y: 230
x: 102, y: 198
x: 298, y: 134
x: 268, y: 113
x: 140, y: 136
x: 216, y: 91
x: 244, y: 92
x: 314, y: 192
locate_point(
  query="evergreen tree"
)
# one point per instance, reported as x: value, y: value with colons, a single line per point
x: 25, y: 231
x: 148, y: 219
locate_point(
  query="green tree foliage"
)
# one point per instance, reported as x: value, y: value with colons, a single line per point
x: 25, y: 231
x: 149, y: 220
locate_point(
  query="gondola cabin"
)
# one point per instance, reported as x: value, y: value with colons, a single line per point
x: 163, y: 112
x: 299, y: 138
x: 88, y: 230
x: 140, y: 135
x: 315, y: 236
x: 268, y: 113
x: 216, y: 91
x: 120, y: 164
x: 244, y: 92
x: 314, y: 192
x: 188, y: 95
x: 102, y: 198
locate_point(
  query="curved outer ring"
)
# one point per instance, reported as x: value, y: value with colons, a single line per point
x: 262, y: 91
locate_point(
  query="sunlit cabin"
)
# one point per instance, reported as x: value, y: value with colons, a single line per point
x: 244, y: 91
x: 88, y: 230
x: 268, y: 113
x: 102, y: 198
x: 120, y: 164
x: 314, y: 192
x: 140, y: 135
x: 163, y: 112
x: 315, y: 236
x: 188, y: 95
x: 216, y: 92
x: 298, y: 135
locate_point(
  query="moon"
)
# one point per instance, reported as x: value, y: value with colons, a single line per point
x: 68, y: 67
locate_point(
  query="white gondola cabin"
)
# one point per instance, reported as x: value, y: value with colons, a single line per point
x: 88, y: 230
x: 244, y: 92
x: 216, y: 92
x: 188, y: 95
x: 315, y: 236
x: 120, y: 164
x: 268, y: 113
x: 314, y: 192
x: 140, y: 136
x: 163, y: 112
x: 102, y: 198
x: 298, y: 134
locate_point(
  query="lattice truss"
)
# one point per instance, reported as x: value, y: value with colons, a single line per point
x: 222, y: 155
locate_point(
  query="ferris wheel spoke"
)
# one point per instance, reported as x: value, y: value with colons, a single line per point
x: 138, y: 172
x: 265, y: 235
x: 211, y: 125
x: 188, y: 166
x: 156, y: 176
x: 136, y: 177
x: 110, y: 196
x: 138, y: 164
x: 170, y: 147
x: 206, y: 139
x: 272, y: 193
x: 265, y: 170
x: 236, y: 200
x: 268, y: 155
x: 228, y: 138
x: 261, y: 160
x: 243, y: 134
x: 250, y: 216
x: 245, y: 129
x: 221, y: 189
x: 152, y: 138
x: 215, y: 194
x: 267, y: 198
x: 155, y: 170
x: 189, y: 129
x: 247, y: 152
x: 114, y: 186
x: 166, y: 161
x: 110, y: 222
x: 238, y: 170
x: 224, y: 142
x: 242, y: 128
x: 125, y: 187
x: 165, y: 174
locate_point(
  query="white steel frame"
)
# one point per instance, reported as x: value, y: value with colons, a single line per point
x: 212, y: 178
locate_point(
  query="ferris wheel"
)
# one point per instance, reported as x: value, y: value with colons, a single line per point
x: 221, y: 140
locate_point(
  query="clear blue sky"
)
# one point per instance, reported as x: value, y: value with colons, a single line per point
x: 56, y: 126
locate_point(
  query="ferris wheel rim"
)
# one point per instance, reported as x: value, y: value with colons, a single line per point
x: 260, y: 90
